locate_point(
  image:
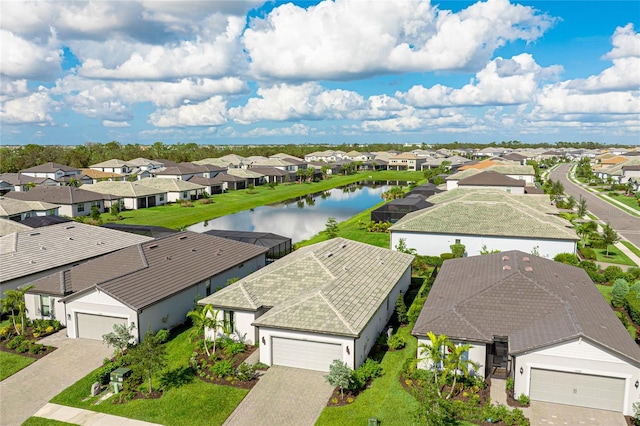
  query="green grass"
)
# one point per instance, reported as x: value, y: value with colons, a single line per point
x: 631, y: 247
x: 174, y: 216
x: 10, y: 364
x: 629, y: 201
x: 386, y: 399
x: 40, y: 421
x: 592, y: 217
x: 615, y: 256
x: 195, y: 403
x: 605, y: 290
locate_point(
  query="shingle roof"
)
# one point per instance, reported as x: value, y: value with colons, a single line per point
x: 490, y: 178
x: 144, y: 274
x: 332, y: 287
x: 536, y: 302
x: 66, y: 195
x: 30, y: 252
x: 488, y: 212
x: 20, y: 179
x: 50, y: 168
x: 10, y: 206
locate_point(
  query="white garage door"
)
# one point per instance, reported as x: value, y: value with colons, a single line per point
x: 95, y: 326
x: 583, y: 390
x: 304, y: 353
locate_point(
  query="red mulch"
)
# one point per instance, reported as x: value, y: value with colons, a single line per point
x: 231, y: 381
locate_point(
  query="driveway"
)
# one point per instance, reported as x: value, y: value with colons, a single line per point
x: 546, y: 413
x: 24, y: 393
x: 625, y: 224
x: 283, y: 396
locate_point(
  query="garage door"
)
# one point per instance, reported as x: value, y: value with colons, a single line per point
x: 304, y: 353
x: 95, y: 326
x: 583, y: 390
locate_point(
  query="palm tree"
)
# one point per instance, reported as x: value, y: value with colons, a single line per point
x: 14, y: 302
x: 203, y: 318
x: 456, y: 363
x: 432, y: 353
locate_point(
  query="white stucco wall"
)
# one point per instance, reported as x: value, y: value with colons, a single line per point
x: 436, y: 244
x: 579, y: 356
x: 477, y: 354
x: 34, y: 306
x: 244, y: 330
x: 97, y: 303
x: 266, y: 334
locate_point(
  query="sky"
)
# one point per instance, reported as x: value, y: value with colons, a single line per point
x: 342, y: 71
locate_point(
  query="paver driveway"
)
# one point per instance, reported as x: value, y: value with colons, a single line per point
x: 24, y: 393
x: 546, y: 413
x: 283, y: 396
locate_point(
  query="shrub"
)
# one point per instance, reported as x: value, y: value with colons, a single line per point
x: 50, y: 329
x: 612, y: 272
x: 245, y: 372
x: 4, y: 333
x: 619, y: 292
x: 36, y: 348
x: 623, y: 318
x: 635, y: 272
x: 396, y: 342
x: 567, y: 258
x: 433, y: 260
x: 446, y: 256
x: 163, y: 335
x: 588, y: 253
x: 222, y: 368
x: 416, y: 307
x: 206, y: 201
x: 260, y: 366
x: 234, y: 348
x: 223, y: 341
x: 635, y: 287
x: 23, y: 347
x: 524, y: 399
x: 339, y: 375
x: 101, y: 375
x: 458, y: 250
x: 510, y: 384
x: 633, y: 306
x: 15, y: 342
x: 597, y: 277
x: 401, y: 309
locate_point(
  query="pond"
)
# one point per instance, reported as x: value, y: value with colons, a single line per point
x: 301, y: 218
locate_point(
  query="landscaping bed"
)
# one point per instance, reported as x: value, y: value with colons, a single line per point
x: 206, y: 370
x: 25, y: 344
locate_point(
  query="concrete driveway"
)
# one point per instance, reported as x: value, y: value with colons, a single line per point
x: 283, y: 396
x: 546, y: 413
x: 24, y: 393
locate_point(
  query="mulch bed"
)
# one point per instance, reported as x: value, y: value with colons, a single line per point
x: 338, y: 400
x: 28, y: 333
x: 232, y: 381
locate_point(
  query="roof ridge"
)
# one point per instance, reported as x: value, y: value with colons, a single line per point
x: 463, y: 318
x: 247, y: 295
x: 335, y: 310
x: 323, y: 266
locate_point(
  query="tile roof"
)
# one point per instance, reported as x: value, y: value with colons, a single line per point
x: 11, y: 206
x: 170, y: 185
x: 332, y: 287
x: 20, y: 179
x: 99, y: 174
x: 114, y: 162
x: 536, y: 302
x: 10, y: 226
x: 490, y: 178
x: 142, y: 275
x: 488, y: 212
x: 50, y: 168
x: 66, y: 195
x: 30, y: 252
x: 125, y: 189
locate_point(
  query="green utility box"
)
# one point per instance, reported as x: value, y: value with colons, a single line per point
x: 117, y: 377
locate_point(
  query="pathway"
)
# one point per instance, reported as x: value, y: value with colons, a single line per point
x: 78, y: 416
x: 29, y: 389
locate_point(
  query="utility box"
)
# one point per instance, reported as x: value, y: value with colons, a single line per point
x: 117, y: 377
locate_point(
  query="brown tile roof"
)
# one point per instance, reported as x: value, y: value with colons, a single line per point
x: 50, y: 168
x: 147, y: 273
x: 490, y: 178
x: 536, y: 302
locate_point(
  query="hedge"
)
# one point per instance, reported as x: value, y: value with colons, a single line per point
x: 588, y: 253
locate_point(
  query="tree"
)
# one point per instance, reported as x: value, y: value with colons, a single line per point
x: 15, y: 304
x: 339, y: 375
x: 584, y: 230
x: 325, y: 171
x: 582, y: 207
x: 301, y: 174
x: 609, y: 235
x: 95, y: 213
x: 309, y: 173
x: 202, y: 318
x: 402, y: 247
x: 331, y: 228
x: 432, y: 352
x: 120, y: 338
x: 619, y: 292
x: 150, y: 355
x: 457, y: 362
x: 393, y: 193
x: 457, y: 249
x: 401, y: 309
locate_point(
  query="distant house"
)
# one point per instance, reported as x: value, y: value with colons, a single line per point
x: 98, y: 175
x: 210, y: 185
x: 542, y: 323
x: 175, y: 189
x: 405, y: 161
x: 32, y: 254
x: 514, y: 171
x: 19, y: 210
x: 52, y: 171
x: 133, y: 195
x: 73, y: 201
x: 182, y: 171
x: 22, y: 183
x: 486, y: 220
x: 493, y: 180
x: 322, y: 302
x: 151, y: 285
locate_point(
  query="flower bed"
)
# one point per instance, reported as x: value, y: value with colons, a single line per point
x: 25, y: 344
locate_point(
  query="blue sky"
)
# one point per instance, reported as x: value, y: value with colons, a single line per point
x: 344, y: 71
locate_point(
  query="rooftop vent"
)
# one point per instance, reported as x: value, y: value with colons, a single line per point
x: 69, y: 227
x: 343, y: 245
x: 328, y: 255
x: 168, y: 257
x: 182, y: 237
x: 505, y: 258
x: 34, y: 233
x: 70, y: 238
x: 528, y: 269
x: 32, y: 261
x: 193, y: 249
x: 43, y: 248
x: 506, y: 268
x: 152, y: 246
x: 526, y: 259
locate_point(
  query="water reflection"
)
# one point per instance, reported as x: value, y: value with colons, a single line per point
x: 302, y: 218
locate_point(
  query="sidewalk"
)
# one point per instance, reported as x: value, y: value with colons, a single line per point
x: 84, y: 417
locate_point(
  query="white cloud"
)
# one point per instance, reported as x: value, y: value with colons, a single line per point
x: 99, y: 103
x: 349, y: 39
x: 211, y: 112
x: 626, y: 43
x: 32, y: 109
x: 501, y: 82
x: 10, y: 89
x: 109, y: 123
x: 296, y: 129
x: 20, y: 58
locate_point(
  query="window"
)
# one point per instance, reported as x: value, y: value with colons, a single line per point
x: 457, y: 240
x: 45, y: 305
x: 185, y: 194
x: 508, y: 189
x: 80, y: 207
x: 229, y: 321
x: 161, y: 197
x: 208, y: 289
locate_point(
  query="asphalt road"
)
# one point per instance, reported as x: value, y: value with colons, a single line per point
x: 626, y: 225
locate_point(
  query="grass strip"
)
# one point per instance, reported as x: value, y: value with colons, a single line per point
x: 631, y: 247
x: 10, y: 364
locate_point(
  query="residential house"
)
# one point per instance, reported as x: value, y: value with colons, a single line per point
x: 322, y: 302
x: 492, y: 180
x: 175, y: 189
x: 405, y: 161
x: 73, y: 201
x: 486, y: 220
x: 99, y: 175
x: 132, y: 195
x: 252, y: 177
x: 119, y: 167
x: 210, y: 185
x: 326, y: 156
x: 32, y: 254
x: 274, y: 174
x: 182, y: 171
x: 229, y: 181
x: 540, y: 322
x: 278, y: 163
x: 514, y: 171
x: 21, y: 183
x: 19, y: 210
x: 52, y: 171
x: 277, y: 245
x: 151, y: 285
x: 11, y: 226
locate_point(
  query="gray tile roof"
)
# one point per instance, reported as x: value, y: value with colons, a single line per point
x: 490, y: 178
x: 171, y: 185
x: 10, y: 206
x: 125, y: 189
x: 58, y: 195
x: 29, y: 252
x: 333, y: 287
x: 488, y: 212
x: 50, y: 168
x: 10, y: 226
x: 16, y: 179
x: 536, y: 302
x: 144, y: 274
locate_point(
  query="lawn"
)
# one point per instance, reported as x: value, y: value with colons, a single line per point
x: 12, y: 363
x: 615, y: 256
x: 40, y: 421
x: 631, y: 247
x: 194, y: 403
x: 176, y: 217
x: 629, y: 201
x: 606, y: 292
x: 386, y: 399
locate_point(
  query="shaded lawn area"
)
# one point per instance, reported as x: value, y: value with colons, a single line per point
x: 41, y: 421
x: 193, y: 403
x: 174, y: 216
x: 606, y: 292
x: 386, y: 399
x: 615, y: 256
x: 631, y: 247
x: 10, y: 364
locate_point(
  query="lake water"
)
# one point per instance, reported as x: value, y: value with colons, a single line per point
x: 302, y: 218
